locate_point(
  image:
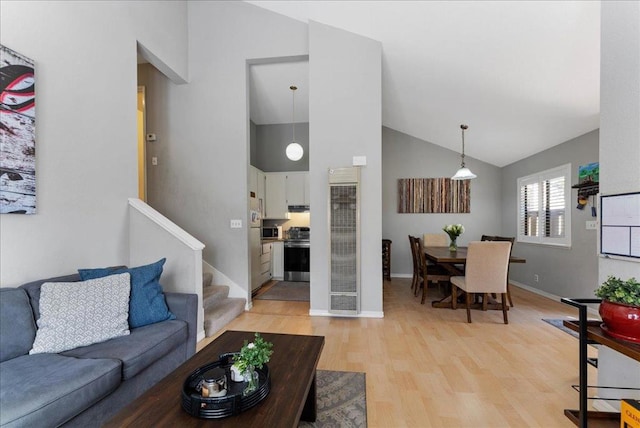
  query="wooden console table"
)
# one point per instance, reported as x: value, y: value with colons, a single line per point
x: 591, y: 333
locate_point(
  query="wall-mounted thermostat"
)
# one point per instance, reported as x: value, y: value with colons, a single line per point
x: 151, y: 137
x: 359, y: 161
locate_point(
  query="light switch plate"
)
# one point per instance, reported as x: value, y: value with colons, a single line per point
x: 591, y: 225
x: 236, y: 224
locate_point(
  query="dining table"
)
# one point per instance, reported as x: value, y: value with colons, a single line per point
x: 453, y: 262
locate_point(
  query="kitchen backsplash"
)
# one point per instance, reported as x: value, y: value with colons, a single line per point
x: 296, y: 220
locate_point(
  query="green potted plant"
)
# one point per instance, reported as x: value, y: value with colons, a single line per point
x: 620, y: 308
x: 252, y: 355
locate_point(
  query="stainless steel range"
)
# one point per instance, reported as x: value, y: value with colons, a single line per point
x: 296, y: 254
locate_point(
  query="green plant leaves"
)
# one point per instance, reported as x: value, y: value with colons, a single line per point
x: 616, y: 290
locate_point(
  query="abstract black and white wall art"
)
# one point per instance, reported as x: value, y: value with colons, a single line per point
x: 17, y: 133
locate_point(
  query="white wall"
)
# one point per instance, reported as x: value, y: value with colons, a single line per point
x: 201, y: 179
x: 565, y: 272
x: 86, y: 141
x: 404, y: 156
x: 619, y: 149
x: 345, y: 121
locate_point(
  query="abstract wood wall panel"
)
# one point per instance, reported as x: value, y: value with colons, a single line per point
x: 433, y: 195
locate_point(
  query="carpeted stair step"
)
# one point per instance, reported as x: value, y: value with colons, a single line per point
x: 222, y: 313
x: 213, y: 294
x: 207, y: 279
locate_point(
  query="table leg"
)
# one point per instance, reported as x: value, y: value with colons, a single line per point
x: 445, y: 302
x: 310, y: 410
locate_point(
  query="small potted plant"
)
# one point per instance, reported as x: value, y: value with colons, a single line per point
x: 252, y: 355
x: 620, y: 308
x: 453, y: 230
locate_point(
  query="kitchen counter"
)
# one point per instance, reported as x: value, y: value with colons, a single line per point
x: 272, y: 240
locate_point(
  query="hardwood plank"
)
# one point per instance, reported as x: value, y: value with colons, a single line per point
x: 426, y: 367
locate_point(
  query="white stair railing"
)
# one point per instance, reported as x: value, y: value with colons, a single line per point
x: 152, y: 236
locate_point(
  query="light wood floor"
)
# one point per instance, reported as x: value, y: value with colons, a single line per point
x: 427, y: 367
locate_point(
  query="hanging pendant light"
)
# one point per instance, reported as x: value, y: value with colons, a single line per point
x: 463, y: 173
x: 294, y: 150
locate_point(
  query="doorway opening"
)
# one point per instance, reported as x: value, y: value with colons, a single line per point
x: 142, y: 152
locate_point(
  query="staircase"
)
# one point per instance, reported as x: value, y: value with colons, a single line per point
x: 219, y: 308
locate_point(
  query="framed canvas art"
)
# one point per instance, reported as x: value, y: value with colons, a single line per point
x: 433, y: 195
x: 17, y: 133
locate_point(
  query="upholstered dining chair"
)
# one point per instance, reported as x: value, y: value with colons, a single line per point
x: 428, y: 273
x: 435, y: 240
x: 486, y: 272
x: 507, y: 239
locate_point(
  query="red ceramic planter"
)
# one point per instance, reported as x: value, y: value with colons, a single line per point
x: 621, y: 321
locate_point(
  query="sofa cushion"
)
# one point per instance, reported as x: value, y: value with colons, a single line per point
x: 33, y: 290
x: 76, y: 314
x: 147, y: 304
x: 143, y: 347
x: 17, y: 327
x: 52, y: 388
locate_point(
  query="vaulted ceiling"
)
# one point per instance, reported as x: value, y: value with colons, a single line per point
x: 524, y: 75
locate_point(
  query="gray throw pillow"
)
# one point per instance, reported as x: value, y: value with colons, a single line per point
x: 74, y: 314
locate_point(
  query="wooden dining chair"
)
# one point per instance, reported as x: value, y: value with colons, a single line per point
x: 416, y: 270
x: 486, y: 272
x: 428, y: 273
x: 500, y: 239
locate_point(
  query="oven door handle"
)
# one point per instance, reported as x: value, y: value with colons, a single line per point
x: 297, y: 245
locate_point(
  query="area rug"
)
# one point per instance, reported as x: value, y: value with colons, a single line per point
x: 287, y: 290
x: 342, y: 401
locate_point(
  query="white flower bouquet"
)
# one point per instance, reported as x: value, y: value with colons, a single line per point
x: 454, y: 230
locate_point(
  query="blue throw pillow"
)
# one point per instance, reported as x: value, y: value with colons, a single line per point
x: 146, y: 304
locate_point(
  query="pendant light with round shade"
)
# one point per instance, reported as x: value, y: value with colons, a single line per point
x: 463, y: 173
x: 294, y: 150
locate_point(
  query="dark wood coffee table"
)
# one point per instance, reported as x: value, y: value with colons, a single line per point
x: 292, y: 397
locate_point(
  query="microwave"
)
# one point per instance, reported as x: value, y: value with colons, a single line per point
x: 272, y: 232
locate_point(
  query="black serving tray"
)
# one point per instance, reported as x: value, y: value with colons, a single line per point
x: 221, y: 407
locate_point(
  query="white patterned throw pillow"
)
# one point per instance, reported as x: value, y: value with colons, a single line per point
x: 74, y: 314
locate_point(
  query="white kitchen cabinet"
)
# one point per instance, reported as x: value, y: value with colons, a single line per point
x: 283, y: 189
x: 261, y: 187
x: 275, y: 195
x: 277, y: 260
x: 253, y: 180
x: 255, y: 251
x: 307, y: 187
x: 297, y: 185
x: 265, y: 263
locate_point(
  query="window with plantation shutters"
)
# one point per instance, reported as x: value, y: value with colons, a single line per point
x: 544, y: 215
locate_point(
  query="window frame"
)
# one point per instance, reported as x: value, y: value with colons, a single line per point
x: 539, y: 178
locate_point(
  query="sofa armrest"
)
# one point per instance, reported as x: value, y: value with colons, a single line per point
x: 185, y: 307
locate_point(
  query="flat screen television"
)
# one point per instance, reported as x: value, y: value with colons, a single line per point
x: 620, y: 224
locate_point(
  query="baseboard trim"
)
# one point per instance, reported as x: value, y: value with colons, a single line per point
x: 401, y: 275
x: 592, y: 311
x: 364, y: 314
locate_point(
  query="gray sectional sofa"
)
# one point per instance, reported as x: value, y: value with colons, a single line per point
x: 84, y: 386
